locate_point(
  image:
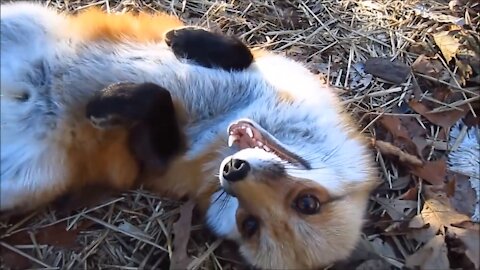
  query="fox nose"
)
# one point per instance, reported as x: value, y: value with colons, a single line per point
x: 235, y: 170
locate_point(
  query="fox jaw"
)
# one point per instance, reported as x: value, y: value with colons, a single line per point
x: 292, y: 186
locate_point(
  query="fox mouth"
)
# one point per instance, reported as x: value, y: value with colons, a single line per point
x: 245, y: 134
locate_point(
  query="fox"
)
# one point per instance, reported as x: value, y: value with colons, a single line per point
x: 273, y: 160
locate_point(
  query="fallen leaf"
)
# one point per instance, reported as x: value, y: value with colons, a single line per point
x: 432, y: 256
x: 55, y: 235
x: 461, y: 45
x: 394, y: 126
x: 447, y: 43
x: 436, y: 215
x: 389, y: 149
x: 181, y: 230
x: 385, y: 69
x: 411, y: 194
x: 444, y: 119
x: 396, y: 209
x: 403, y: 129
x: 434, y: 172
x: 471, y: 240
x: 430, y: 66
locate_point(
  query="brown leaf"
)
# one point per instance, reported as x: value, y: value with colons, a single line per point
x: 384, y: 68
x: 55, y: 235
x: 428, y: 65
x: 389, y: 149
x: 411, y: 194
x: 403, y: 129
x: 445, y: 119
x: 437, y: 213
x: 394, y: 126
x: 461, y: 45
x: 434, y: 172
x: 471, y: 239
x: 432, y: 255
x: 181, y: 229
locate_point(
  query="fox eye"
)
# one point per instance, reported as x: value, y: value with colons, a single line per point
x: 307, y: 204
x: 250, y: 226
x: 22, y: 97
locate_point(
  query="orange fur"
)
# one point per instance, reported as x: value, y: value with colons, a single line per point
x: 188, y: 177
x: 97, y: 156
x: 94, y: 24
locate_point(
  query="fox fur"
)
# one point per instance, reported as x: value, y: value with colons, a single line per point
x: 53, y: 63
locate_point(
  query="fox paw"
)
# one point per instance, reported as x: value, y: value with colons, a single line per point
x: 148, y: 112
x: 208, y: 49
x: 126, y: 104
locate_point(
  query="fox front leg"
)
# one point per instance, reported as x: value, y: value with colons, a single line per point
x: 147, y: 111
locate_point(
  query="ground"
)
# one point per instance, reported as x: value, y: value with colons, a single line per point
x: 407, y: 70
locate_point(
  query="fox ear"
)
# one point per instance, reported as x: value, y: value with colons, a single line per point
x: 209, y: 49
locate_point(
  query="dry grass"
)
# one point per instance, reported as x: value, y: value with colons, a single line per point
x: 333, y: 38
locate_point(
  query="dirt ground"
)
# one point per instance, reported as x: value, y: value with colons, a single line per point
x: 407, y: 70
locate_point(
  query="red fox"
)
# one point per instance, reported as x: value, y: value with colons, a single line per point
x: 269, y: 154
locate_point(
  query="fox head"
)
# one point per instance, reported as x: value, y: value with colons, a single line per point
x: 294, y: 185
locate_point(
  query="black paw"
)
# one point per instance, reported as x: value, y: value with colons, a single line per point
x: 125, y: 104
x: 209, y: 49
x: 147, y: 111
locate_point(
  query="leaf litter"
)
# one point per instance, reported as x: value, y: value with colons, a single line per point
x: 412, y: 111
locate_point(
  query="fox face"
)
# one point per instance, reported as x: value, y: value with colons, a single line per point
x: 286, y: 209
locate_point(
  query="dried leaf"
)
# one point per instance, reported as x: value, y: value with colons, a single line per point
x: 447, y: 43
x: 471, y: 239
x: 411, y: 194
x: 181, y: 229
x: 435, y: 172
x: 432, y: 255
x: 396, y: 209
x: 460, y: 44
x: 389, y: 149
x: 437, y: 213
x: 428, y: 65
x: 385, y: 69
x: 55, y: 235
x: 445, y: 119
x: 394, y: 126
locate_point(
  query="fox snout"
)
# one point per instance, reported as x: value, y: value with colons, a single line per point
x: 236, y: 170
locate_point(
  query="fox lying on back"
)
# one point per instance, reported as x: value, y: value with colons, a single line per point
x: 269, y: 154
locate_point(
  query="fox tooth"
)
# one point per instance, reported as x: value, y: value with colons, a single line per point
x: 249, y: 132
x: 231, y: 140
